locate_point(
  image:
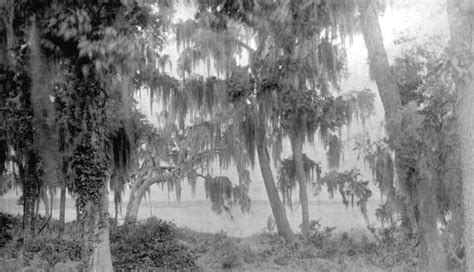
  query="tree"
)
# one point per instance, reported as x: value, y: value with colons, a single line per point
x: 414, y: 171
x: 461, y: 30
x: 177, y: 150
x: 90, y: 50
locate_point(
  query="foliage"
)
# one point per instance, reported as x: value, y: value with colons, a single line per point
x: 54, y: 249
x: 319, y: 236
x: 149, y: 245
x: 350, y: 187
x: 8, y: 223
x: 219, y: 191
x: 226, y: 251
x: 287, y: 176
x: 427, y: 143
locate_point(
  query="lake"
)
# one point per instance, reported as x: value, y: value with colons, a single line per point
x: 197, y: 215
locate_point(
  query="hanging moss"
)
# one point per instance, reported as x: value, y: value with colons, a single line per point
x: 287, y: 176
x: 334, y: 151
x: 192, y: 178
x: 350, y: 188
x: 219, y: 191
x: 248, y: 131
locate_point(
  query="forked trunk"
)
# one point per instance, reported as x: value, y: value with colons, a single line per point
x: 297, y: 146
x: 136, y: 195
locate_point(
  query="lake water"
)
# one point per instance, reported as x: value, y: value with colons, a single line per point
x: 197, y: 215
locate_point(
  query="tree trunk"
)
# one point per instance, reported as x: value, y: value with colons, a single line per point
x: 96, y: 233
x: 460, y: 15
x: 297, y: 146
x: 62, y: 209
x: 136, y: 195
x: 435, y: 258
x: 29, y: 198
x: 378, y: 62
x: 45, y: 200
x: 278, y: 210
x: 116, y: 213
x: 138, y: 192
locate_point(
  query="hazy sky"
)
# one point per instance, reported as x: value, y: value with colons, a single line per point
x: 405, y: 18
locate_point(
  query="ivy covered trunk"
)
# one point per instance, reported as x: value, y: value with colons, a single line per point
x: 93, y: 205
x: 278, y: 210
x: 460, y: 15
x: 297, y: 146
x: 96, y: 233
x: 91, y: 163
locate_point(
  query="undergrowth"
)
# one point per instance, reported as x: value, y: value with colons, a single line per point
x: 151, y: 245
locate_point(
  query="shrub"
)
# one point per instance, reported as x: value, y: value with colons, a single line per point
x: 226, y: 251
x: 152, y: 245
x: 53, y: 250
x: 8, y: 223
x: 319, y: 236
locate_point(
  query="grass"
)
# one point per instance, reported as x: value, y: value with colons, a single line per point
x: 323, y: 251
x: 158, y: 245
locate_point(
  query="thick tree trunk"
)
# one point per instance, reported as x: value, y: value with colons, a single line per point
x: 461, y: 18
x: 435, y: 258
x: 96, y: 234
x: 278, y: 210
x: 297, y: 146
x: 378, y: 62
x: 62, y: 209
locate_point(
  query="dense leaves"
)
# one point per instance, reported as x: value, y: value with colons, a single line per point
x: 150, y: 245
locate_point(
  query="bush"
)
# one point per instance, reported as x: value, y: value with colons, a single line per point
x: 152, y: 245
x: 53, y: 249
x: 8, y: 223
x: 226, y: 251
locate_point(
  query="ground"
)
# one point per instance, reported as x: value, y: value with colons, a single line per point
x: 157, y: 245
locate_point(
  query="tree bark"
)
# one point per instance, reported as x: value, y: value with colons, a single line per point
x: 460, y: 15
x: 62, y: 209
x: 278, y: 210
x: 378, y: 62
x: 96, y: 233
x: 45, y: 200
x: 29, y: 198
x: 297, y: 146
x: 435, y: 257
x: 136, y: 195
x: 138, y: 192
